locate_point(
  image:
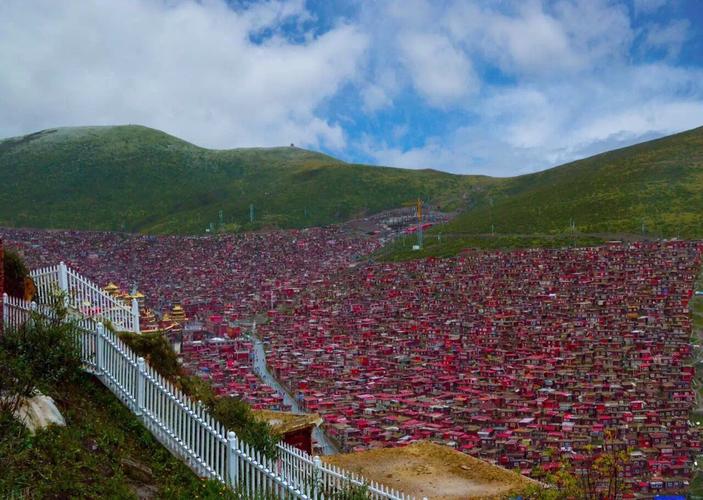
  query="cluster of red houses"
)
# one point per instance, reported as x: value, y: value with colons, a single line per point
x: 227, y: 365
x: 251, y: 272
x: 521, y: 358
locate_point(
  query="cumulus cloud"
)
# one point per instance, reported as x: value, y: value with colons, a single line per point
x: 534, y: 126
x: 440, y: 72
x: 467, y: 86
x: 649, y: 5
x: 572, y: 87
x: 189, y: 68
x: 668, y: 37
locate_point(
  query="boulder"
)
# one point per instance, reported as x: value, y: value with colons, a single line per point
x: 38, y: 412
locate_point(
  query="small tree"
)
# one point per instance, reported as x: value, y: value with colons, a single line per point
x: 17, y: 280
x: 598, y: 475
x: 40, y: 355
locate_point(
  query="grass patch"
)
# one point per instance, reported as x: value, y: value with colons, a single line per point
x: 103, y: 452
x: 438, y: 245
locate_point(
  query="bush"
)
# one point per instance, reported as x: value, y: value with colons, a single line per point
x: 42, y: 354
x: 237, y: 416
x: 156, y: 350
x: 16, y: 273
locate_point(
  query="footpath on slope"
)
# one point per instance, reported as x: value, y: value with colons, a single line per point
x: 261, y: 369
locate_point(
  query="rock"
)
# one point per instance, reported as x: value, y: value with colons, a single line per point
x: 136, y: 471
x: 39, y: 412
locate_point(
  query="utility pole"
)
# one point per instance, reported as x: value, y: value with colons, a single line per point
x: 251, y: 213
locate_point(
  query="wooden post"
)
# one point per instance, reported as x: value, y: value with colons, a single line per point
x: 316, y: 477
x: 63, y: 282
x: 63, y: 277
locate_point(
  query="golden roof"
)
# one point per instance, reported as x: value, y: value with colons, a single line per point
x: 111, y: 288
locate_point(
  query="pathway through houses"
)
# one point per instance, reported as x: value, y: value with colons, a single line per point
x: 261, y: 369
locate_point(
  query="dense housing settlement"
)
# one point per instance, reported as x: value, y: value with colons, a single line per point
x: 522, y: 358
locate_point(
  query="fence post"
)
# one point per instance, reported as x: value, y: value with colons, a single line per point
x: 141, y: 376
x: 135, y: 315
x: 32, y: 313
x: 63, y: 277
x: 5, y: 311
x: 99, y: 348
x: 63, y: 283
x: 232, y: 459
x: 316, y: 477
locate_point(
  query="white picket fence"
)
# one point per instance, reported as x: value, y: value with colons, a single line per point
x: 85, y: 296
x: 186, y: 429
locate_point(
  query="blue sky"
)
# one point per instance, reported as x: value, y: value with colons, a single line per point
x: 499, y: 87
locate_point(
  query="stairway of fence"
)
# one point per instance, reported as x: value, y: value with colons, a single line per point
x: 186, y: 429
x: 85, y: 296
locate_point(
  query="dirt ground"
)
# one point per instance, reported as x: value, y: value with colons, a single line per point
x: 430, y: 470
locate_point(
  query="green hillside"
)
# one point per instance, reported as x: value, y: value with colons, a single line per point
x: 652, y: 189
x: 658, y: 183
x: 138, y: 179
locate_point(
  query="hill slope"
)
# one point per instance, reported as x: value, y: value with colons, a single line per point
x: 652, y: 189
x: 138, y: 179
x: 658, y: 183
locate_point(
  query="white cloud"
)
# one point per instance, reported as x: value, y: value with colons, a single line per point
x: 648, y: 6
x: 669, y: 37
x: 185, y: 67
x: 440, y: 72
x: 564, y: 76
x: 534, y: 126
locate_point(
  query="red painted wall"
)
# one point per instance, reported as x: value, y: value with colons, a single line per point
x: 301, y: 439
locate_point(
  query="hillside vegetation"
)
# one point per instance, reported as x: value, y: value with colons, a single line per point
x: 102, y: 452
x: 650, y: 190
x: 134, y: 178
x: 138, y: 179
x: 657, y: 183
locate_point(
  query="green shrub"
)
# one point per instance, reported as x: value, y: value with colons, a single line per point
x: 42, y: 354
x: 15, y: 273
x: 237, y: 416
x: 198, y: 389
x: 156, y: 350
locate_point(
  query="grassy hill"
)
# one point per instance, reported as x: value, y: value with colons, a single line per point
x: 658, y: 183
x: 103, y: 452
x: 138, y: 179
x: 653, y: 189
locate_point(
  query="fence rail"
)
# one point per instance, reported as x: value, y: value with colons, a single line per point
x: 186, y: 429
x: 84, y: 296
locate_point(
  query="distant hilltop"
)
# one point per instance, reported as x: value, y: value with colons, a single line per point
x: 133, y: 178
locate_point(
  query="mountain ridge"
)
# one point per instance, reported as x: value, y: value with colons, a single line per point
x: 140, y: 179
